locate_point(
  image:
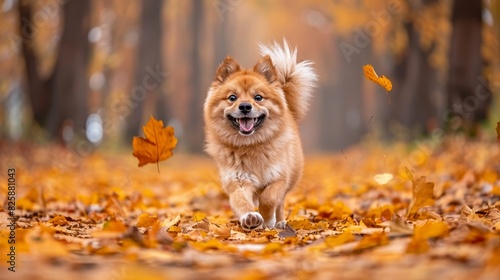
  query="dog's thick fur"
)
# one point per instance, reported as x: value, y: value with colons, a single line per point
x: 258, y: 151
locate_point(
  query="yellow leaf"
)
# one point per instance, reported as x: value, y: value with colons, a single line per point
x: 419, y: 244
x: 272, y: 248
x: 372, y: 240
x: 431, y: 230
x: 114, y: 226
x: 146, y: 220
x: 213, y: 244
x: 336, y: 240
x: 158, y: 144
x: 198, y: 216
x: 422, y: 195
x: 382, y: 81
x: 168, y: 223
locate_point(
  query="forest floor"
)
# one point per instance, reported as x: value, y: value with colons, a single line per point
x: 414, y: 211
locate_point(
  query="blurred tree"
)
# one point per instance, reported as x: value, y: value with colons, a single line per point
x: 468, y: 92
x: 60, y: 99
x: 417, y: 104
x: 194, y: 129
x: 149, y: 74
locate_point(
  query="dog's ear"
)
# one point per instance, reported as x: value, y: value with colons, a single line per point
x: 226, y: 68
x: 266, y: 68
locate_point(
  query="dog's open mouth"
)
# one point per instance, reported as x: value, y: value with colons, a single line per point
x: 246, y: 126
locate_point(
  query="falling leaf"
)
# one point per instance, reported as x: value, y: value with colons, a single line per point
x: 382, y: 81
x: 422, y: 195
x: 158, y: 144
x: 146, y: 220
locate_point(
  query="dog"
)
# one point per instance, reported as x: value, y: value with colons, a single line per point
x: 251, y: 126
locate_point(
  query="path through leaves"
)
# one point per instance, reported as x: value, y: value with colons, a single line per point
x: 414, y: 211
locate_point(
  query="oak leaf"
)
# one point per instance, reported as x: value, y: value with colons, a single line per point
x: 158, y: 144
x: 382, y: 81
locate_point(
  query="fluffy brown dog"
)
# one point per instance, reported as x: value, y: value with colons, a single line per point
x: 251, y: 126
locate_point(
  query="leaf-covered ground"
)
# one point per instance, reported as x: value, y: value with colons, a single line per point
x: 417, y: 211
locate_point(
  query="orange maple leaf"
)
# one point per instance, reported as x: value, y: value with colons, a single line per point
x: 382, y: 81
x: 158, y: 144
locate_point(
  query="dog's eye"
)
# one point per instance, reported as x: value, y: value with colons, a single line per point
x: 232, y: 98
x: 258, y: 97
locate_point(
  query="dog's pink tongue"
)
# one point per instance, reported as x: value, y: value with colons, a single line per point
x: 246, y: 124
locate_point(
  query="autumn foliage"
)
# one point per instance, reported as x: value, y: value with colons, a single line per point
x: 359, y: 210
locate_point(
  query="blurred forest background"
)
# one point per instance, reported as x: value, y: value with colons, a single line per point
x: 94, y: 71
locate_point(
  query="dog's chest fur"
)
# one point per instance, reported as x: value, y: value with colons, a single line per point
x: 260, y: 165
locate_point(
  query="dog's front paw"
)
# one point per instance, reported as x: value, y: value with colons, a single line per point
x: 251, y: 220
x: 281, y: 225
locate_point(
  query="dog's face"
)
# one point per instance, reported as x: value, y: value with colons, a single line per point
x: 245, y: 107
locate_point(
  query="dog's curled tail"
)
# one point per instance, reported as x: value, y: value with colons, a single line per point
x: 298, y: 79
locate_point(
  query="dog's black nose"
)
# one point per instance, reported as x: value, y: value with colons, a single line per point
x: 245, y: 107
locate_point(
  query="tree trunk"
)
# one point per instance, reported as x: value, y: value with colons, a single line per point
x: 149, y: 74
x: 468, y: 94
x: 415, y: 104
x: 61, y: 99
x: 194, y: 129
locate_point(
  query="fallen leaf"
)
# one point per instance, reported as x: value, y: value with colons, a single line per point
x: 431, y: 230
x: 372, y: 240
x: 146, y: 220
x: 213, y: 244
x: 399, y: 225
x: 158, y: 144
x: 336, y: 240
x: 419, y: 244
x: 422, y: 195
x: 272, y: 248
x: 168, y: 223
x: 58, y: 220
x: 382, y: 81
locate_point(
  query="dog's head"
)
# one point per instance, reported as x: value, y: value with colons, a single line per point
x: 245, y: 106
